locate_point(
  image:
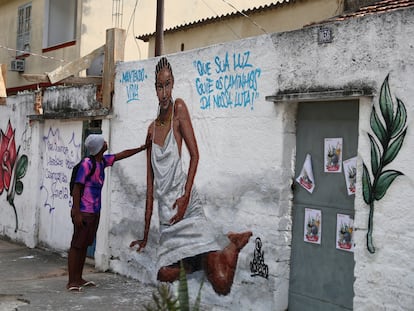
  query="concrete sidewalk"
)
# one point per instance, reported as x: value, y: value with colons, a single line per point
x: 34, y: 279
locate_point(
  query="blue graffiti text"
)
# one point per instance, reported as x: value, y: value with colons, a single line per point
x: 132, y: 79
x: 231, y: 81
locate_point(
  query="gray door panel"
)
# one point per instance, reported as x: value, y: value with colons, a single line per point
x: 321, y: 276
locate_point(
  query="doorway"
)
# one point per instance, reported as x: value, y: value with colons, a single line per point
x: 321, y: 273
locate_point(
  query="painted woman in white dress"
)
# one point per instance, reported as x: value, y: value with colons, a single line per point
x: 185, y: 233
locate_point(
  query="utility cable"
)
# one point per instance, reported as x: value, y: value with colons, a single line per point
x: 245, y: 15
x: 132, y: 20
x: 231, y: 29
x: 33, y: 54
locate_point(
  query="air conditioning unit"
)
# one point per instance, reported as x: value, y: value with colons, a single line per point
x: 17, y: 65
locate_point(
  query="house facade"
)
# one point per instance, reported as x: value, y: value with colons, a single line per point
x: 44, y: 35
x: 275, y: 16
x: 310, y: 150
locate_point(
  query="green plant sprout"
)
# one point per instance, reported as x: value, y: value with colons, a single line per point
x: 165, y: 300
x: 389, y: 137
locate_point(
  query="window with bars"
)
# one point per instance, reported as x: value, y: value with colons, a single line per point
x: 24, y: 25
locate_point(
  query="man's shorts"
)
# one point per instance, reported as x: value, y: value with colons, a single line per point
x: 84, y: 236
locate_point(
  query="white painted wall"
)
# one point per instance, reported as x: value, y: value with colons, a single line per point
x: 61, y: 144
x: 246, y: 162
x: 246, y: 155
x: 240, y: 175
x: 25, y: 141
x: 384, y: 45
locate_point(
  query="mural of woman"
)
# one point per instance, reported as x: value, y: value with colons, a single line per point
x: 185, y: 233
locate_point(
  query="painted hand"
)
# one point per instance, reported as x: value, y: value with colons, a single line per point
x: 141, y: 244
x: 181, y: 205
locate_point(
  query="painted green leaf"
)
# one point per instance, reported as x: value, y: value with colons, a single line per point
x: 394, y: 148
x: 400, y: 119
x: 391, y: 137
x: 197, y: 302
x: 366, y: 185
x: 385, y: 103
x: 19, y: 187
x: 183, y: 290
x: 21, y: 167
x: 378, y: 128
x: 384, y: 182
x: 375, y: 155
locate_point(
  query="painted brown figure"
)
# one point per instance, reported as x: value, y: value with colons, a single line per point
x: 185, y: 233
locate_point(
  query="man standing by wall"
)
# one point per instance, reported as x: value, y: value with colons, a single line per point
x: 86, y: 207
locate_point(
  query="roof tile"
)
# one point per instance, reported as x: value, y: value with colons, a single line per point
x: 378, y: 7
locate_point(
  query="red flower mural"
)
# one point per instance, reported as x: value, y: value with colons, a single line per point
x: 8, y: 157
x: 12, y: 167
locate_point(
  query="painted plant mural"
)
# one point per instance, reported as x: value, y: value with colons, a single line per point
x: 12, y: 167
x: 389, y: 133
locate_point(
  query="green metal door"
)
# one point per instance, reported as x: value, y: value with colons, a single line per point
x: 321, y: 274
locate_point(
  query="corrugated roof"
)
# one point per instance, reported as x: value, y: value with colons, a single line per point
x: 274, y: 4
x: 378, y: 7
x: 381, y: 6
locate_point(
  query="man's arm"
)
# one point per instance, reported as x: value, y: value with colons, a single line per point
x: 129, y: 152
x: 76, y: 213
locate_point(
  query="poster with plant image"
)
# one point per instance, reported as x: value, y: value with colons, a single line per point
x: 305, y: 179
x: 350, y: 168
x: 333, y: 155
x: 344, y: 232
x: 313, y: 226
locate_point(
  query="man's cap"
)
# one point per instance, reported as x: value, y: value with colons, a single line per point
x: 94, y: 143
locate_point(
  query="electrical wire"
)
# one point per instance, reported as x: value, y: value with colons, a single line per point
x: 132, y: 15
x: 231, y: 29
x: 245, y: 15
x: 33, y: 54
x: 132, y: 20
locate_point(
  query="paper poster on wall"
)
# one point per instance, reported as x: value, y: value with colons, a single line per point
x: 333, y: 155
x: 344, y: 232
x: 305, y: 179
x: 313, y: 226
x: 350, y: 175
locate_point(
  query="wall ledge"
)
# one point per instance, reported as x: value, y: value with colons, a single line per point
x: 286, y: 97
x: 103, y: 113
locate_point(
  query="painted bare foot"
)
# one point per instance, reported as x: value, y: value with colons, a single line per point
x: 239, y: 239
x: 168, y: 274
